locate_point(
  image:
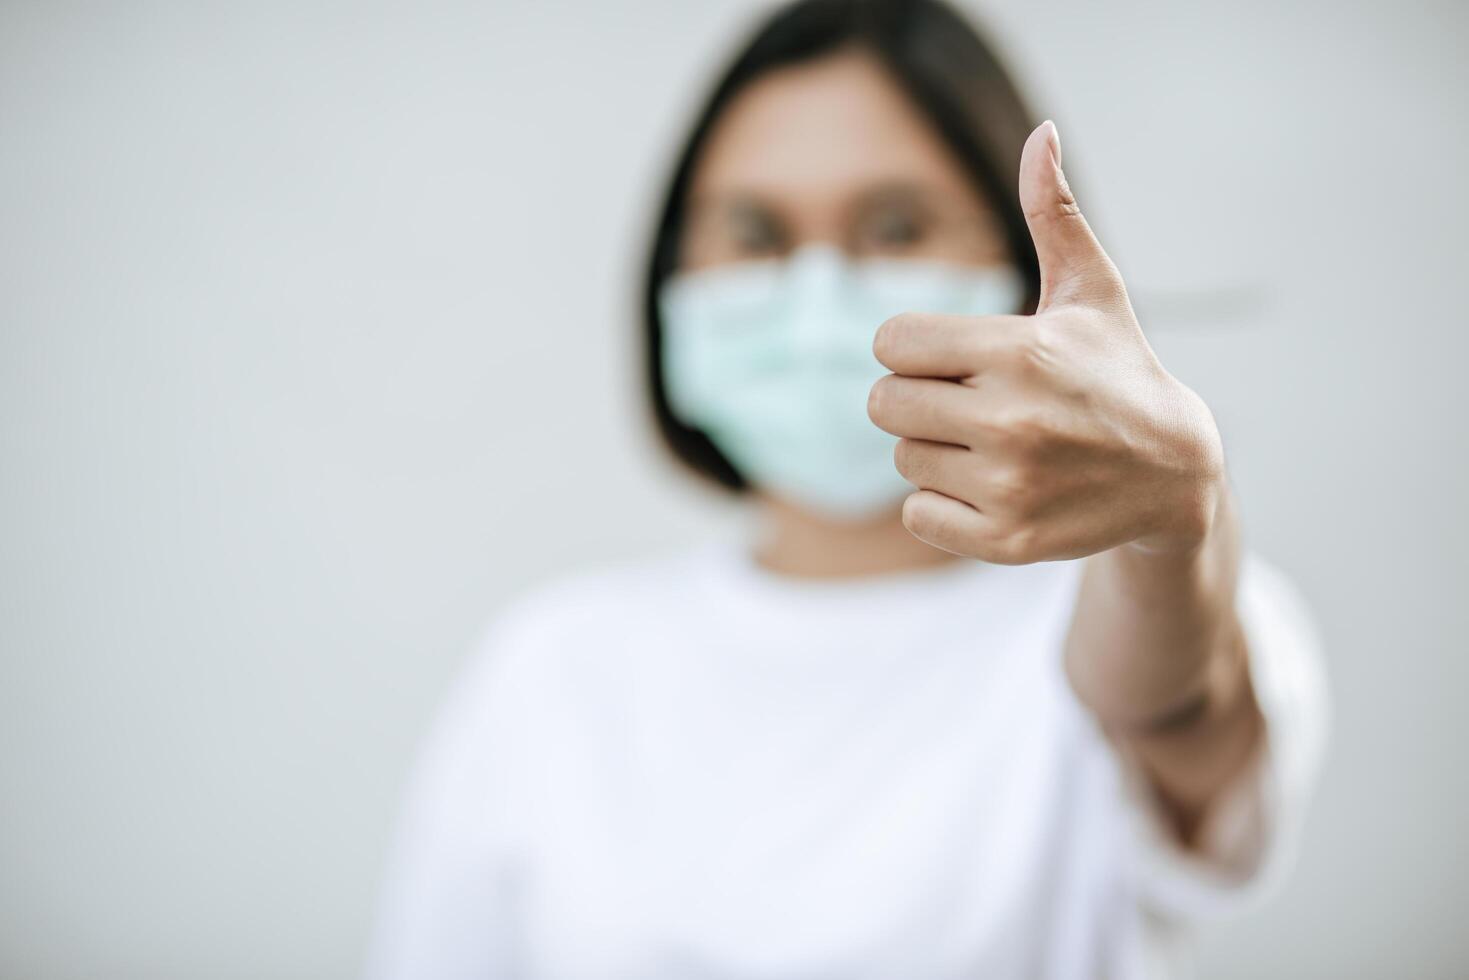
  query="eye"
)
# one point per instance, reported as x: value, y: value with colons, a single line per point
x: 732, y: 229
x: 755, y: 232
x: 891, y: 228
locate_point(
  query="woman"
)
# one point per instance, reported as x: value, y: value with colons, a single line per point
x: 992, y: 694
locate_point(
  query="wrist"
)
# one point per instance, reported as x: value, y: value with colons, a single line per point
x: 1183, y: 526
x: 1149, y: 623
x: 1188, y: 525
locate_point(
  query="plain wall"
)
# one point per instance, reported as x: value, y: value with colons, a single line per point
x: 316, y: 335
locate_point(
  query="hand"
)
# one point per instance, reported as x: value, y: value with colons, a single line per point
x: 1057, y: 435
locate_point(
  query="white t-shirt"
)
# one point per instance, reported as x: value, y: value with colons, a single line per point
x: 688, y: 767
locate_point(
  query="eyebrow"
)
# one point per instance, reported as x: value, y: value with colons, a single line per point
x: 751, y: 200
x: 911, y: 192
x: 727, y: 201
x: 894, y: 190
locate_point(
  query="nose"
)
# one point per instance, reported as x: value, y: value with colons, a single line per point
x: 817, y: 278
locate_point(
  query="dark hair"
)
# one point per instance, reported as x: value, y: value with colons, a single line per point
x: 953, y: 77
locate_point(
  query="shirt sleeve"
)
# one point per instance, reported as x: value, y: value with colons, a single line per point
x: 1249, y: 839
x: 444, y: 907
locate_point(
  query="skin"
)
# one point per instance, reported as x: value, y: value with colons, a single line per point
x: 1029, y: 438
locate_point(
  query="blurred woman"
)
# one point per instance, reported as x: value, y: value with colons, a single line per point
x: 991, y: 692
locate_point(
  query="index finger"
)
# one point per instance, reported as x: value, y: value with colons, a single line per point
x: 941, y: 345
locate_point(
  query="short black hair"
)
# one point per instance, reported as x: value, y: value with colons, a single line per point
x: 954, y: 77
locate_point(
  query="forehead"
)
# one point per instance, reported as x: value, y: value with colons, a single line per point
x: 820, y: 129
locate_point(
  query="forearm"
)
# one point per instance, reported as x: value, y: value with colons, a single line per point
x: 1066, y: 437
x: 1157, y: 653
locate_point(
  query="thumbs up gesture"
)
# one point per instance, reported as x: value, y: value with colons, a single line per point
x: 1057, y: 435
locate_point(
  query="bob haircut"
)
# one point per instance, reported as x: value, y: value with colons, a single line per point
x: 953, y: 77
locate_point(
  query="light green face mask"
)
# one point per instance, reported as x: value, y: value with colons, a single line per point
x: 773, y: 361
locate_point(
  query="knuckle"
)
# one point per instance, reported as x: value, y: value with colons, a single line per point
x: 1012, y: 432
x: 1016, y: 546
x: 1012, y: 488
x: 1037, y: 352
x: 1022, y: 431
x: 1029, y: 438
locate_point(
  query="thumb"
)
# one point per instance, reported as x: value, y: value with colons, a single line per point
x: 1074, y: 268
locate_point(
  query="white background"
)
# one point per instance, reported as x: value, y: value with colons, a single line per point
x: 317, y: 343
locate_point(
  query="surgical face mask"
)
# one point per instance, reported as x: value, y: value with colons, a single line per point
x: 773, y: 361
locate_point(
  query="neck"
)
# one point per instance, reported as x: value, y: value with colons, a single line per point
x: 797, y: 542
